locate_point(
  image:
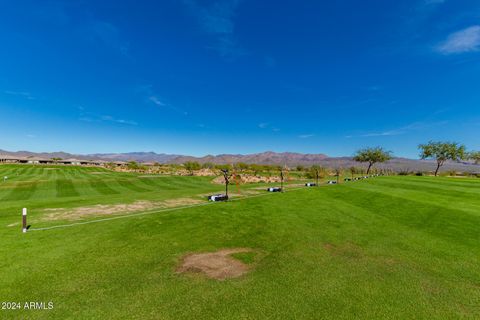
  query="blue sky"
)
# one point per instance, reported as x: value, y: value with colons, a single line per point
x: 238, y: 76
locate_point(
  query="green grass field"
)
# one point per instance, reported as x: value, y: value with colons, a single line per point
x: 383, y: 248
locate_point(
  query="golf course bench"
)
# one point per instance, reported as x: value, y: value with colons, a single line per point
x: 218, y: 197
x: 274, y: 189
x: 332, y: 182
x: 310, y: 184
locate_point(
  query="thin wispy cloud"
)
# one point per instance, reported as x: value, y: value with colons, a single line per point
x: 217, y: 19
x: 306, y: 136
x: 92, y: 117
x: 466, y: 40
x: 22, y: 94
x: 154, y: 98
x: 121, y: 121
x: 268, y: 126
x: 402, y: 130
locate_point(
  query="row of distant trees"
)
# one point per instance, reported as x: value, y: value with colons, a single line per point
x: 439, y: 151
x: 192, y: 166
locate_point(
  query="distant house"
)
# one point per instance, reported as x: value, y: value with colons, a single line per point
x: 37, y: 160
x: 8, y: 159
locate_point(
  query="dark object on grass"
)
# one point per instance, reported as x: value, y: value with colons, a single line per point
x: 274, y: 189
x: 347, y: 179
x: 310, y: 184
x: 218, y: 197
x: 332, y: 182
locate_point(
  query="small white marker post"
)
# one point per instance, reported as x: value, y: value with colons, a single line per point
x: 24, y: 220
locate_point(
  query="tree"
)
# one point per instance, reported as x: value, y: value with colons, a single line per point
x: 316, y: 172
x: 208, y: 165
x: 133, y: 165
x: 353, y: 171
x: 191, y: 166
x: 241, y: 166
x: 372, y: 156
x: 338, y: 171
x: 256, y: 168
x: 441, y: 152
x: 475, y: 156
x: 226, y: 176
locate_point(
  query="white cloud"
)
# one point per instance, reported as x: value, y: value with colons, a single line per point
x: 403, y: 130
x: 121, y: 121
x: 263, y: 125
x: 23, y: 94
x: 216, y: 19
x: 157, y: 101
x: 90, y: 117
x: 466, y: 40
x: 306, y: 136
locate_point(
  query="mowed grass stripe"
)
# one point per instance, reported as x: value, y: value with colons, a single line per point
x: 130, y: 185
x: 440, y: 190
x: 441, y: 184
x: 21, y: 191
x: 433, y: 219
x: 65, y: 188
x: 184, y: 182
x: 159, y: 184
x: 468, y: 204
x: 101, y: 187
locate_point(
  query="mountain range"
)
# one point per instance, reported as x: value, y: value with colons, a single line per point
x: 269, y: 157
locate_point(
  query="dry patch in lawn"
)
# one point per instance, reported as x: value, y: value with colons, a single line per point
x: 245, y: 178
x: 111, y: 209
x: 346, y: 250
x: 215, y: 265
x: 13, y: 224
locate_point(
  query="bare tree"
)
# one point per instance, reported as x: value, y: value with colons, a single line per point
x: 226, y: 176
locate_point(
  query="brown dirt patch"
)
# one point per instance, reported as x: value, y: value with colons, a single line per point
x: 215, y: 265
x: 111, y: 209
x: 246, y: 178
x: 181, y: 202
x: 345, y: 250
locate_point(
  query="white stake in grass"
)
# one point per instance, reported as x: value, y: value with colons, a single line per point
x: 24, y: 220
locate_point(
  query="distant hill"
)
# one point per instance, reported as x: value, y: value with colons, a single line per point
x: 269, y: 157
x: 136, y: 156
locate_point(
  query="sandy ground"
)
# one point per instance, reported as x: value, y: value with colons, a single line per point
x: 215, y: 265
x: 111, y: 209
